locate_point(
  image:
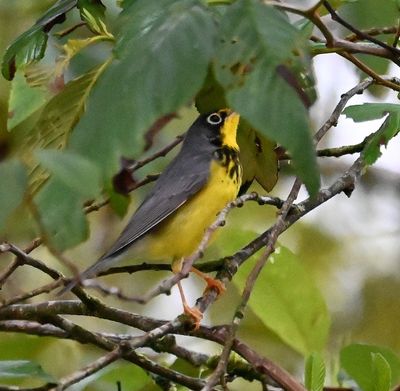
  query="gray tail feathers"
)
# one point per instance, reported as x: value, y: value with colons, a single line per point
x: 90, y: 272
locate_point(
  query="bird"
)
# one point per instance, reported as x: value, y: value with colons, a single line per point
x: 170, y: 223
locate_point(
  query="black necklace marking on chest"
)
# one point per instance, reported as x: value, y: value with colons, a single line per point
x: 229, y: 158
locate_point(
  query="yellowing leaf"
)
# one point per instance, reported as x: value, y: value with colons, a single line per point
x: 258, y: 158
x: 57, y: 120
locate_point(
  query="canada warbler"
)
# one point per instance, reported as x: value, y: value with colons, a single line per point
x: 170, y: 223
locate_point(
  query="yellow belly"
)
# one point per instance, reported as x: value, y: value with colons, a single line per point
x: 181, y: 233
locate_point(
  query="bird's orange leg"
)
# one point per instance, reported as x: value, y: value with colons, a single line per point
x: 193, y: 312
x: 212, y: 283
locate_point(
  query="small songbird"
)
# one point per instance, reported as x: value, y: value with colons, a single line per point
x: 185, y: 200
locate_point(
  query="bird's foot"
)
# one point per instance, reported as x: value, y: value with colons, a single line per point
x: 215, y: 284
x: 212, y: 283
x: 195, y: 314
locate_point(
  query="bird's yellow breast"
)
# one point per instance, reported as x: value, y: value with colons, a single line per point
x: 181, y: 233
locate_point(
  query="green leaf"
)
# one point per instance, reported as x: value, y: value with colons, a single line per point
x: 13, y: 179
x: 118, y: 202
x: 362, y: 363
x: 388, y: 130
x: 24, y: 100
x: 79, y: 174
x: 61, y: 215
x: 31, y: 45
x: 287, y: 301
x: 370, y: 111
x: 382, y: 372
x: 315, y: 372
x: 163, y: 50
x: 23, y: 368
x: 256, y: 40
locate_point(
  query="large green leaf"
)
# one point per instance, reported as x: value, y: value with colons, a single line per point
x: 286, y: 299
x: 163, y: 50
x: 256, y: 40
x: 370, y: 366
x: 13, y: 179
x: 31, y: 45
x: 23, y: 368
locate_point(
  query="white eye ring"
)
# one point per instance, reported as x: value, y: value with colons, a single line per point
x: 214, y: 119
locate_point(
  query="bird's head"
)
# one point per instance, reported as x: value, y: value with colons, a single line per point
x: 219, y: 128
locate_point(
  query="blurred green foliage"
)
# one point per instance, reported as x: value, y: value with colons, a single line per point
x: 288, y: 318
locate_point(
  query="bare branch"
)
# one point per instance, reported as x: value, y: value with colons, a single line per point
x: 35, y: 292
x: 17, y: 261
x: 155, y: 129
x: 372, y: 32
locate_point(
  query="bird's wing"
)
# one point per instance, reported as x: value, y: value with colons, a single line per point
x: 183, y: 178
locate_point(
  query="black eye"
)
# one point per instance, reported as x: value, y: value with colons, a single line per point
x: 214, y: 119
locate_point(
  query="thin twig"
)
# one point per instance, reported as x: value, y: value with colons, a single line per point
x: 370, y: 72
x: 33, y: 328
x: 155, y: 129
x: 17, y: 261
x: 372, y: 32
x: 161, y: 153
x: 35, y: 292
x: 54, y: 274
x: 342, y: 151
x: 334, y: 117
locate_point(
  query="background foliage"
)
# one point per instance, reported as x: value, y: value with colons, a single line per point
x: 89, y: 82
